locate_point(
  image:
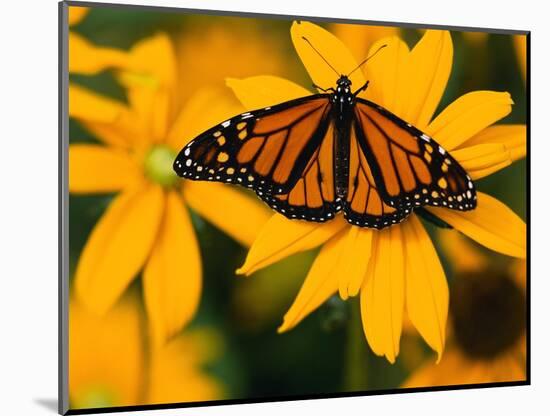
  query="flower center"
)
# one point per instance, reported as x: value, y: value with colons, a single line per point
x: 158, y: 165
x: 488, y: 313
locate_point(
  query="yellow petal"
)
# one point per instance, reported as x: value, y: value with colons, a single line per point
x: 427, y: 293
x: 491, y: 224
x: 331, y: 49
x: 430, y: 63
x: 321, y: 282
x: 172, y: 277
x: 150, y: 78
x: 109, y: 120
x: 95, y: 343
x: 240, y: 216
x: 151, y: 106
x: 481, y: 173
x: 462, y: 253
x: 467, y: 116
x: 87, y: 105
x: 118, y: 246
x: 160, y: 113
x: 95, y: 168
x: 383, y: 294
x: 203, y: 110
x: 356, y: 248
x: 483, y: 159
x: 76, y: 14
x: 265, y: 90
x: 154, y: 56
x: 513, y: 136
x: 388, y: 72
x: 176, y: 375
x: 87, y: 58
x: 281, y: 237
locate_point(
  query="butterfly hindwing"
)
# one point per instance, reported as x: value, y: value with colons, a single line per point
x: 313, y: 195
x: 364, y: 205
x: 266, y: 150
x: 409, y: 167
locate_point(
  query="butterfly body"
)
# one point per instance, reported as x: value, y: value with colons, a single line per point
x: 311, y: 157
x: 342, y: 101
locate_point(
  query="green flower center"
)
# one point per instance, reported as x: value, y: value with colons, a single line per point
x: 158, y: 165
x: 488, y: 313
x: 95, y: 397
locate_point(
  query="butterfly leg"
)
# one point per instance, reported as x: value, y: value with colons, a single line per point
x: 324, y: 89
x: 363, y: 88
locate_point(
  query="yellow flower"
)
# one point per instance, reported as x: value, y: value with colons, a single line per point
x: 109, y: 363
x: 359, y: 38
x: 209, y: 50
x: 396, y: 269
x: 147, y: 225
x: 476, y: 38
x: 488, y: 315
x: 520, y: 44
x: 84, y: 56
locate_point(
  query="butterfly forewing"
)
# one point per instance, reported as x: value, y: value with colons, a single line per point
x: 266, y: 150
x: 409, y: 168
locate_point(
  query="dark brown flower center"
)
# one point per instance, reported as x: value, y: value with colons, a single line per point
x: 488, y: 312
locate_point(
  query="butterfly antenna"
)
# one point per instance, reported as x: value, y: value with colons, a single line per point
x: 367, y: 58
x: 322, y: 57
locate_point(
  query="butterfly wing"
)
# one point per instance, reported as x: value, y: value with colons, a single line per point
x: 364, y: 205
x: 409, y: 167
x: 284, y: 153
x: 313, y: 195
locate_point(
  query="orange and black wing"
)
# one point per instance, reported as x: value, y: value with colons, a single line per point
x: 408, y: 167
x: 280, y: 152
x: 313, y: 195
x: 364, y: 205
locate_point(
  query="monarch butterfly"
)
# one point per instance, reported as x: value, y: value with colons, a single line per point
x: 314, y: 156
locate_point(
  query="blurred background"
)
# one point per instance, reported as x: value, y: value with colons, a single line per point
x: 234, y: 332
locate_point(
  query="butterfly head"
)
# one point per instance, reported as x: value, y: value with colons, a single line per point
x: 343, y: 84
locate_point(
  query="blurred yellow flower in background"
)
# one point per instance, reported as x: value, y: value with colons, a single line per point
x: 110, y: 363
x: 520, y: 44
x: 397, y: 268
x: 207, y: 53
x: 147, y: 225
x: 77, y: 14
x: 488, y: 320
x: 359, y: 38
x: 478, y: 39
x: 84, y: 56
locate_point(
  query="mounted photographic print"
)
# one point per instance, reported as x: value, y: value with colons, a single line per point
x: 263, y: 208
